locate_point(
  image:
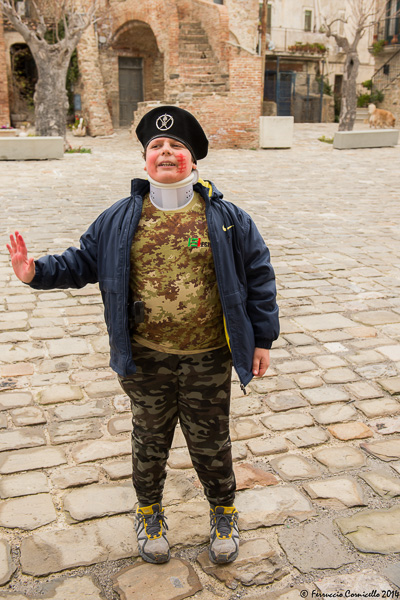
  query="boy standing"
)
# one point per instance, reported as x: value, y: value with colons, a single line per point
x: 187, y: 288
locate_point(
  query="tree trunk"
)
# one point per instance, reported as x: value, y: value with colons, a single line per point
x: 50, y: 98
x: 349, y: 92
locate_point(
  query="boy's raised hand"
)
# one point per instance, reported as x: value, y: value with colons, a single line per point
x: 24, y: 267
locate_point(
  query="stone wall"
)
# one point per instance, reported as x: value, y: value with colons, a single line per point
x: 243, y: 22
x: 391, y: 100
x: 94, y: 103
x: 4, y: 101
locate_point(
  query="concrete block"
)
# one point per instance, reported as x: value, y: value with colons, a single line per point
x: 31, y: 148
x: 369, y: 138
x: 276, y: 132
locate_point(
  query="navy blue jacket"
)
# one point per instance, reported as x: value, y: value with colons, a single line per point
x: 245, y: 277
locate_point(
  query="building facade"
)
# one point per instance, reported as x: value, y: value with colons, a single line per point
x: 300, y: 57
x: 200, y: 54
x: 204, y: 55
x: 385, y: 43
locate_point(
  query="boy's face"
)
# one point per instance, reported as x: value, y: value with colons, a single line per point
x: 168, y: 161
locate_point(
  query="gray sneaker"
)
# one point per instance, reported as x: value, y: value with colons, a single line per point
x: 151, y: 526
x: 224, y: 537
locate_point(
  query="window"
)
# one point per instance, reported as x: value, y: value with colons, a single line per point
x: 392, y: 13
x: 308, y: 20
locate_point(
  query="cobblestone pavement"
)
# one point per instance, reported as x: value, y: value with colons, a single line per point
x: 316, y: 442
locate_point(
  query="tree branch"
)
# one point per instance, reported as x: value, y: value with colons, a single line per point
x: 16, y: 21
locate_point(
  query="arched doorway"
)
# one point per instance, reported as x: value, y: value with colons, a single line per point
x: 23, y: 81
x: 140, y: 68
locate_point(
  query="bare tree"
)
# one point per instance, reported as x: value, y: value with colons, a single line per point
x: 363, y: 15
x: 52, y: 35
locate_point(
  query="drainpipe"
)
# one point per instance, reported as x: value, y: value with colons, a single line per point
x: 321, y: 93
x: 278, y: 85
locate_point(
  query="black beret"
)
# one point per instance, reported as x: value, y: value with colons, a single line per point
x: 176, y: 123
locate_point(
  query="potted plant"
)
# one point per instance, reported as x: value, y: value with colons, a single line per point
x: 8, y: 131
x: 79, y: 127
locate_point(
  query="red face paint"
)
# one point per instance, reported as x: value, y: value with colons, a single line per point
x: 162, y: 150
x: 181, y: 163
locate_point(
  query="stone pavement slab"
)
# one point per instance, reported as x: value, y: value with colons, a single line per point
x: 386, y: 450
x: 336, y: 492
x: 23, y: 485
x: 27, y: 460
x: 28, y: 512
x: 98, y: 500
x: 175, y: 580
x: 373, y: 530
x: 53, y: 551
x: 257, y: 564
x: 361, y: 583
x: 271, y: 506
x: 339, y: 459
x: 7, y: 566
x: 383, y: 484
x: 314, y: 546
x: 292, y: 467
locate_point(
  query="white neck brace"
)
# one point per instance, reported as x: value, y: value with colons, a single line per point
x: 171, y: 196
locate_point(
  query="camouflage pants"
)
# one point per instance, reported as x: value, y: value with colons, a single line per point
x: 194, y: 389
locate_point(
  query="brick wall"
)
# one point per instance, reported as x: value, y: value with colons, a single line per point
x: 134, y: 39
x: 4, y: 100
x: 231, y: 120
x: 162, y: 17
x: 227, y: 101
x: 215, y: 21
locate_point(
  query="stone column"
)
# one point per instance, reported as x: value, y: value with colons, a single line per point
x: 4, y: 100
x: 94, y: 102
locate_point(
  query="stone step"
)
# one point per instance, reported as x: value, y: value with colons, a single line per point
x: 194, y: 47
x: 205, y: 78
x: 199, y: 70
x: 194, y: 37
x: 362, y: 114
x: 187, y: 28
x: 197, y: 61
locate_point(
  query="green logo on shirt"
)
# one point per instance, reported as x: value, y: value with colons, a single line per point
x: 195, y: 242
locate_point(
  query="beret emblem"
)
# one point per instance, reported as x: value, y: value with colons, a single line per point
x: 164, y: 122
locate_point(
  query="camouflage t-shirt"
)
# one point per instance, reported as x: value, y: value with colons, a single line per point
x: 172, y: 273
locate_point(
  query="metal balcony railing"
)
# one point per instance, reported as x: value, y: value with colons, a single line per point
x: 387, y: 30
x: 284, y: 39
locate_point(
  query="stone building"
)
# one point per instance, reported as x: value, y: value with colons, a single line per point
x: 298, y: 54
x: 385, y: 42
x: 198, y: 53
x: 4, y: 102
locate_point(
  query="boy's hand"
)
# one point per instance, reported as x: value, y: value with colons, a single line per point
x: 260, y: 361
x: 24, y: 267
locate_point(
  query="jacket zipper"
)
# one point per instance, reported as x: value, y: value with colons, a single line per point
x: 211, y: 233
x: 126, y: 278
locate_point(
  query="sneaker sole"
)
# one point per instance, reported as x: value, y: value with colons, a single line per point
x: 222, y: 560
x: 154, y: 561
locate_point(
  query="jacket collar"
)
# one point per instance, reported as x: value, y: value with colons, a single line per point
x: 139, y: 187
